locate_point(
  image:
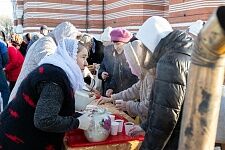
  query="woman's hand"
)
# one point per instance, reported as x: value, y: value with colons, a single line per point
x: 104, y: 100
x: 109, y: 92
x: 121, y: 105
x: 85, y: 121
x: 91, y: 94
x: 136, y: 130
x: 95, y: 94
x: 105, y: 75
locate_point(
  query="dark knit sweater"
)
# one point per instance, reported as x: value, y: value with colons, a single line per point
x: 41, y: 112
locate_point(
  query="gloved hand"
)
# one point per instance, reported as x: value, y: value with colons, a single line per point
x: 85, y: 121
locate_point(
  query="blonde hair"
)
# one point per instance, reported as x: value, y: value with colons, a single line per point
x: 16, y: 39
x: 81, y: 46
x: 86, y: 40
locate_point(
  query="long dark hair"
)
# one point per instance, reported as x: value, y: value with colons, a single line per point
x: 4, y: 37
x: 28, y: 37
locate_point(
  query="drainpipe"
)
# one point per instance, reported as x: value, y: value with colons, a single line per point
x: 203, y: 95
x: 103, y: 15
x: 87, y: 15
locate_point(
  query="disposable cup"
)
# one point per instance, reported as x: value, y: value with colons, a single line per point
x: 112, y: 118
x: 128, y: 126
x: 120, y: 121
x: 114, y: 128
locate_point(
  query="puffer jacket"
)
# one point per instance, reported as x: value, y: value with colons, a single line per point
x: 12, y: 69
x: 172, y: 58
x: 3, y: 54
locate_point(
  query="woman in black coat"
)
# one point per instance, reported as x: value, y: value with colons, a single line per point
x: 171, y: 59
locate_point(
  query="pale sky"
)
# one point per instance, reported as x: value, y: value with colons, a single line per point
x: 6, y: 8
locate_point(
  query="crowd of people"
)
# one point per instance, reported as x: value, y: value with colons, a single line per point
x: 13, y: 51
x: 148, y: 71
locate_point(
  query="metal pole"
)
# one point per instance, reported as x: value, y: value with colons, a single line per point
x: 103, y: 15
x: 87, y: 15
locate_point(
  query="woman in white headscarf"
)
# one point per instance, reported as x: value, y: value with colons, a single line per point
x: 138, y: 58
x: 44, y: 46
x: 43, y: 109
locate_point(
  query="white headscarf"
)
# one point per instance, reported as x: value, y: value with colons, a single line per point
x: 196, y: 27
x: 153, y: 30
x: 65, y: 57
x: 132, y: 59
x: 105, y: 36
x: 65, y: 30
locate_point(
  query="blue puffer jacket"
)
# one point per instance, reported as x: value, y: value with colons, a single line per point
x: 3, y: 54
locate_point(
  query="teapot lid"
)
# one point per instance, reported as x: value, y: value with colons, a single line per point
x: 98, y: 110
x: 95, y: 109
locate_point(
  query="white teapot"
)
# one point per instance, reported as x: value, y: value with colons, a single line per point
x: 100, y: 129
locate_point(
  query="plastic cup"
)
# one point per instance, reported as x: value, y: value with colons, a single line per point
x: 114, y: 128
x: 120, y: 129
x: 128, y: 126
x: 112, y: 118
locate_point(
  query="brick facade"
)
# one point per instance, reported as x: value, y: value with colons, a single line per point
x: 94, y: 15
x: 183, y: 12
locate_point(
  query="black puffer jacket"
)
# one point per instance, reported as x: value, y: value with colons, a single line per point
x: 172, y: 59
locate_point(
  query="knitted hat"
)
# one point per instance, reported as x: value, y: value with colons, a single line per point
x: 120, y: 35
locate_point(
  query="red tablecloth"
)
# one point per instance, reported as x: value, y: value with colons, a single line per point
x: 76, y: 138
